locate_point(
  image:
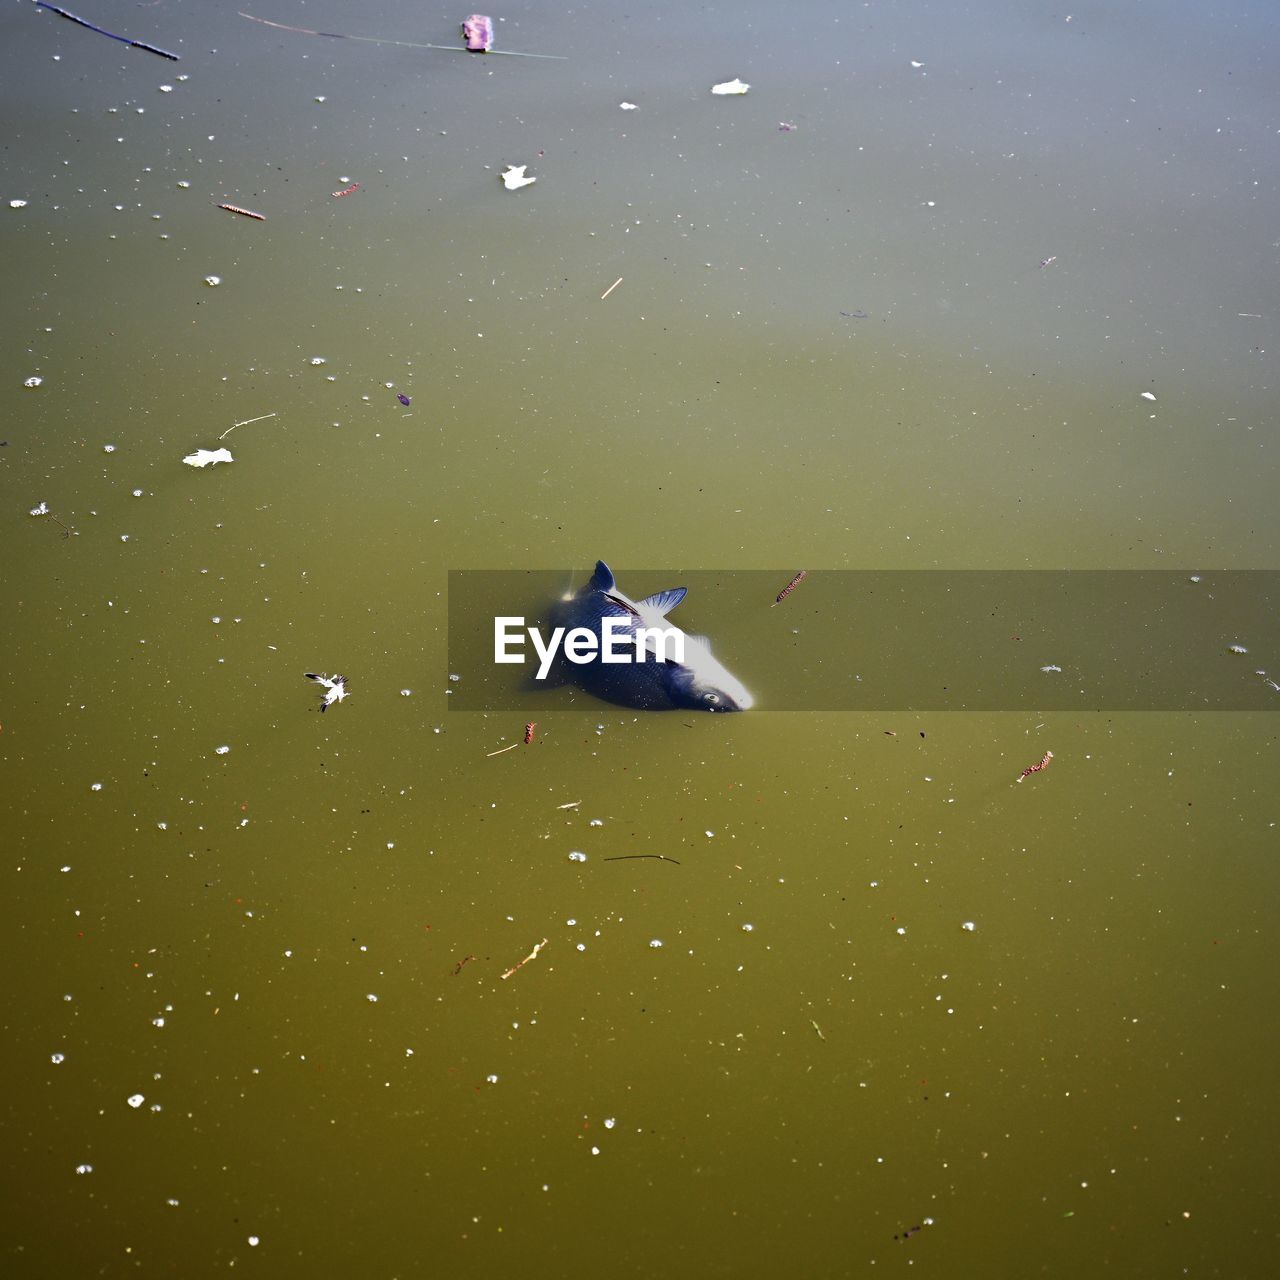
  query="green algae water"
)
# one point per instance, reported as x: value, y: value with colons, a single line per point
x: 951, y: 287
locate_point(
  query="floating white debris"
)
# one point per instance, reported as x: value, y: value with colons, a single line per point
x: 56, y: 1058
x: 137, y: 493
x: 627, y: 106
x: 655, y: 943
x: 1146, y: 395
x: 84, y: 1168
x: 1053, y: 666
x: 184, y: 185
x: 371, y: 998
x: 406, y: 693
x: 577, y: 856
x: 901, y: 931
x: 108, y: 448
x: 513, y: 177
x: 595, y: 822
x: 41, y: 510
x: 33, y: 382
x: 968, y: 926
x: 318, y: 360
x: 206, y: 457
x: 730, y: 86
x: 335, y: 688
x: 96, y: 786
x: 916, y: 64
x: 1236, y: 648
x: 213, y: 281
x: 136, y: 1100
x: 166, y: 88
x: 610, y: 1122
x: 748, y: 928
x: 17, y: 204
x: 221, y: 751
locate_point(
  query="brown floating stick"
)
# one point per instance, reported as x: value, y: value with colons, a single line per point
x: 244, y: 213
x: 790, y: 587
x: 1035, y: 768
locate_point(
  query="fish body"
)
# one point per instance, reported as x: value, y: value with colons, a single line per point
x: 657, y: 682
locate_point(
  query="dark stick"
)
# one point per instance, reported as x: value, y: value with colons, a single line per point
x: 623, y: 857
x: 135, y: 44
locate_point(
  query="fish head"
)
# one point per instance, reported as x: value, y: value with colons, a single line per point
x: 702, y: 682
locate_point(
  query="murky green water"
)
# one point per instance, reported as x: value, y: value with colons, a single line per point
x: 1081, y: 1082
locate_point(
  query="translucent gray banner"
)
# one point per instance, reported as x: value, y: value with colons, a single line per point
x: 910, y: 640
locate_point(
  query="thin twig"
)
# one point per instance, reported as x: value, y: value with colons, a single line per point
x: 102, y: 31
x: 261, y: 418
x: 532, y: 955
x: 611, y: 288
x: 512, y: 747
x: 623, y: 857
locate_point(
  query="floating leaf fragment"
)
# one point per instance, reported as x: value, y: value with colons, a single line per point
x: 513, y: 177
x: 206, y: 457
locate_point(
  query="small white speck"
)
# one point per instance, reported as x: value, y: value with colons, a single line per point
x: 371, y: 998
x: 406, y: 693
x: 137, y: 493
x: 318, y: 360
x: 1236, y: 648
x: 711, y: 835
x: 33, y: 382
x: 221, y: 751
x: 595, y: 1151
x: 41, y: 510
x: 655, y: 942
x: 1053, y: 666
x: 610, y: 1122
x: 492, y: 1079
x: 748, y: 927
x: 1147, y: 395
x: 17, y: 204
x: 577, y: 856
x: 96, y: 786
x: 57, y: 1058
x: 84, y: 1168
x: 901, y: 931
x: 136, y: 1100
x: 213, y: 281
x: 253, y: 1242
x: 968, y: 926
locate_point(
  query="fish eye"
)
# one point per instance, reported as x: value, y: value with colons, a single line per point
x: 711, y: 697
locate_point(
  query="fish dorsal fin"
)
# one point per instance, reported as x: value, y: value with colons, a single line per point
x: 602, y: 579
x: 662, y: 602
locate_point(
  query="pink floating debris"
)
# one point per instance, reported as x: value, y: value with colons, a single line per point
x: 478, y: 33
